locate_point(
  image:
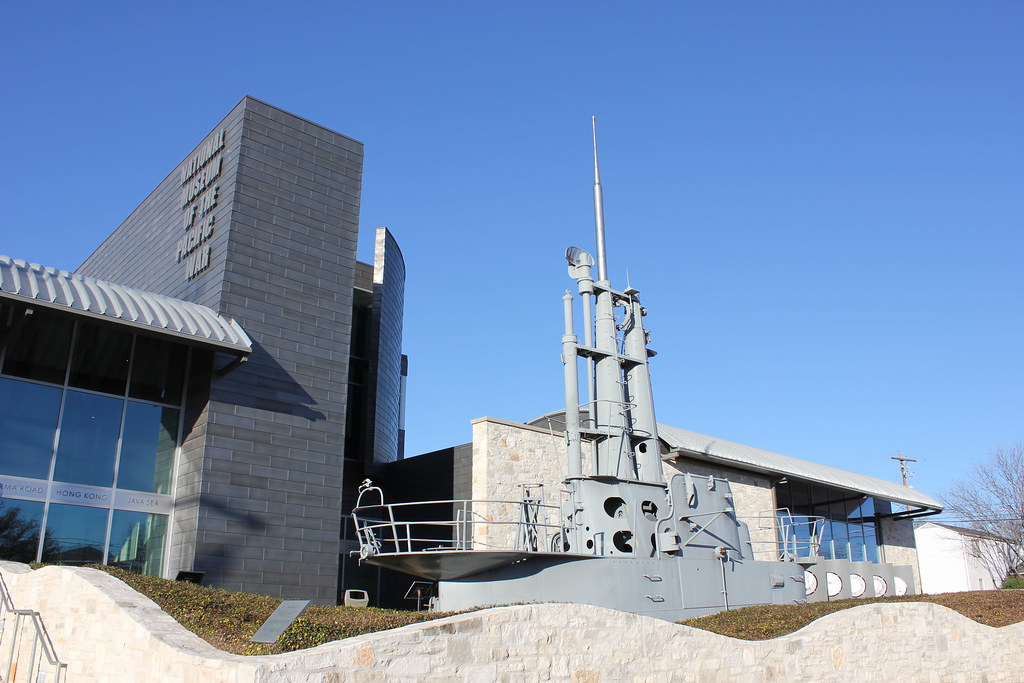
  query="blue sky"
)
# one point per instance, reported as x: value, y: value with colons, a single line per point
x: 821, y: 202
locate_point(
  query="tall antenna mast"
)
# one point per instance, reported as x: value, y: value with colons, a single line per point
x: 602, y: 263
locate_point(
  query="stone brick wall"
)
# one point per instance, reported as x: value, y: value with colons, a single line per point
x: 899, y: 547
x: 107, y: 632
x: 507, y: 455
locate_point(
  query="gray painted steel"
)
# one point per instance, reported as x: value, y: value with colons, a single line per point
x: 842, y: 579
x: 90, y: 296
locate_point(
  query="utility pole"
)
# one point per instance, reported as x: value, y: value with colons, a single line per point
x: 903, y: 465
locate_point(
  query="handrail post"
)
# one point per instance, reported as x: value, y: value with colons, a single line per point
x: 12, y: 651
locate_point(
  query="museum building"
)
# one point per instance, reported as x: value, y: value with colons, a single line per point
x: 199, y: 396
x: 202, y: 397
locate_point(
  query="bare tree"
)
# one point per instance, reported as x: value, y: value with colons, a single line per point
x: 991, y: 501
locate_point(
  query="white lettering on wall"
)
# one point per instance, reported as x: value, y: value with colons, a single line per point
x: 199, y: 196
x: 196, y: 163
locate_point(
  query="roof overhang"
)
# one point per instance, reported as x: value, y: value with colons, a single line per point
x: 687, y: 444
x: 89, y: 297
x: 684, y: 443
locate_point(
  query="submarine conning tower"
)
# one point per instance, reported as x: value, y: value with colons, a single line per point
x: 619, y: 406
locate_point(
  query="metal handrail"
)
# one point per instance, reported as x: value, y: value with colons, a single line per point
x: 41, y: 637
x: 788, y: 545
x: 404, y: 527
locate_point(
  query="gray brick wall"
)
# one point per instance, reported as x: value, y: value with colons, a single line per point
x: 259, y: 477
x: 142, y: 251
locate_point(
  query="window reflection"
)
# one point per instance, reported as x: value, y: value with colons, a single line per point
x: 100, y: 359
x: 158, y: 370
x: 137, y: 542
x: 848, y: 530
x: 88, y: 439
x: 20, y: 521
x: 75, y: 534
x: 83, y: 436
x: 147, y: 448
x: 28, y: 422
x: 37, y: 346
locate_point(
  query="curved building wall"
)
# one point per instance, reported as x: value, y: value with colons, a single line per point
x: 386, y: 364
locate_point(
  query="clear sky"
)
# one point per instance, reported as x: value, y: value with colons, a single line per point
x: 821, y: 202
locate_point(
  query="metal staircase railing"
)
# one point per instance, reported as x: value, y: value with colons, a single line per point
x: 26, y: 651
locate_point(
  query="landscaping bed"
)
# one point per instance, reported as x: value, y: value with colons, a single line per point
x: 227, y: 620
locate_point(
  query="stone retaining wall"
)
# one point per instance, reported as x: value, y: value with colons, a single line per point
x: 107, y: 632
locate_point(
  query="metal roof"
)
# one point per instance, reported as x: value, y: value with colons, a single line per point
x: 709, y: 448
x: 98, y: 298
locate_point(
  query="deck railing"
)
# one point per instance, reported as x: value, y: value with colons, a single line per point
x: 455, y: 525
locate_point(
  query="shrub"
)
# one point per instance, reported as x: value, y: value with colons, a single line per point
x: 1013, y: 582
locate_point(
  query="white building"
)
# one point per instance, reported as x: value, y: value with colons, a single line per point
x: 954, y: 559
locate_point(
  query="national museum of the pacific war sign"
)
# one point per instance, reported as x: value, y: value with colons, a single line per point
x: 199, y: 195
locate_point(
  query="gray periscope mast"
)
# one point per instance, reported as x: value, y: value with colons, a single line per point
x: 620, y: 536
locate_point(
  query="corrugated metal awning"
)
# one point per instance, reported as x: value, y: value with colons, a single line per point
x: 711, y: 449
x: 60, y: 289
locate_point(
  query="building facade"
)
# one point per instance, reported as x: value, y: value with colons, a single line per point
x: 955, y: 559
x: 203, y: 396
x: 793, y: 509
x: 218, y: 447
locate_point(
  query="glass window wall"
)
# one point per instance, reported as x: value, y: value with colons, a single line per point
x: 28, y: 423
x: 100, y: 358
x: 147, y: 448
x: 137, y: 541
x: 75, y: 534
x: 158, y: 370
x: 848, y: 528
x: 87, y: 445
x: 37, y: 344
x: 87, y: 410
x: 20, y: 523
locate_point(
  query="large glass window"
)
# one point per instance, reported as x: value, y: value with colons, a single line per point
x: 37, y: 345
x: 75, y: 534
x: 100, y: 359
x: 137, y: 541
x: 82, y: 404
x: 20, y: 522
x: 28, y: 422
x: 147, y: 448
x: 88, y: 439
x: 848, y: 527
x: 158, y: 370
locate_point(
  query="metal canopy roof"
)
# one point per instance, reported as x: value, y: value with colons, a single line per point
x: 85, y: 295
x: 689, y: 444
x: 709, y: 448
